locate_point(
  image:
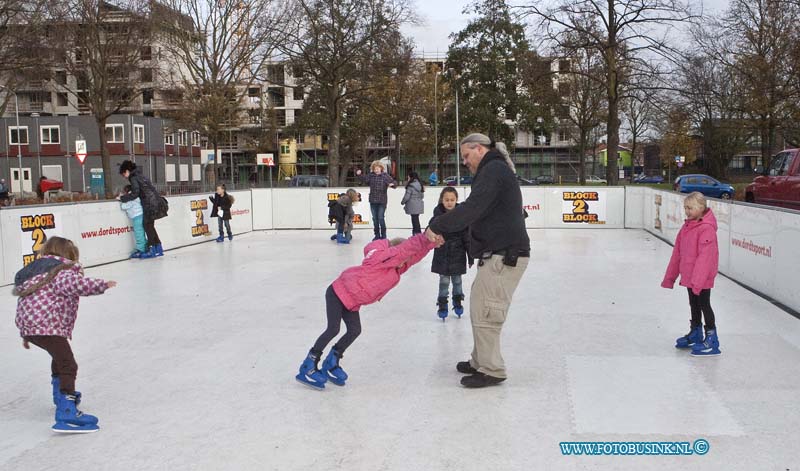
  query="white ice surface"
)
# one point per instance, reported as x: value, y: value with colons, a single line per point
x: 189, y: 364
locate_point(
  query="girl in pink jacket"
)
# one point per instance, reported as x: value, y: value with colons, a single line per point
x: 695, y: 258
x: 384, y: 262
x: 49, y: 290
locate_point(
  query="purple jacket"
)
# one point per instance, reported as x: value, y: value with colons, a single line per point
x: 695, y: 256
x: 380, y: 271
x: 53, y: 308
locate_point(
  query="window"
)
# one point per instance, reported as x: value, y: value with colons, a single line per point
x: 18, y: 135
x: 195, y: 139
x: 787, y: 163
x: 147, y: 96
x: 61, y: 99
x: 182, y: 137
x: 298, y: 93
x: 146, y: 53
x: 138, y: 134
x: 50, y: 135
x: 776, y: 166
x: 61, y: 77
x: 169, y: 138
x: 115, y: 133
x: 693, y: 181
x: 147, y: 75
x: 563, y: 134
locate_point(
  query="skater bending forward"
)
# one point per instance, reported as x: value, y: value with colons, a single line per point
x: 49, y: 290
x: 384, y: 262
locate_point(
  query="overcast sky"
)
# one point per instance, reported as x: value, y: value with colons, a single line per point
x: 442, y: 17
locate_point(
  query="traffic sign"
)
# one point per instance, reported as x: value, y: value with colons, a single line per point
x: 80, y: 151
x: 265, y: 159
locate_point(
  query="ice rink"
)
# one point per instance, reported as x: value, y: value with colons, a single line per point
x: 189, y: 364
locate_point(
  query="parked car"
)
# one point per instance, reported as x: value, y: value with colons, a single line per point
x: 778, y: 184
x: 545, y: 180
x: 648, y: 179
x: 705, y: 185
x: 465, y: 180
x: 595, y: 179
x: 526, y: 182
x: 309, y: 181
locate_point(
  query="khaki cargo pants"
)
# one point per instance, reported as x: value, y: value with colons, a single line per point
x: 489, y: 301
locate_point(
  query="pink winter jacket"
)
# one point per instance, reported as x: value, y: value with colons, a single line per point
x: 695, y: 256
x: 53, y: 308
x: 379, y: 272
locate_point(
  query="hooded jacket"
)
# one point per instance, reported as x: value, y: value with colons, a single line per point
x: 492, y: 212
x: 53, y: 308
x: 347, y: 211
x: 695, y: 256
x: 380, y: 271
x: 153, y: 204
x: 451, y: 258
x: 413, y: 199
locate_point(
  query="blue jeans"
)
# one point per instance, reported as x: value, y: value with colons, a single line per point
x: 444, y: 284
x: 138, y: 233
x: 227, y: 226
x: 378, y: 221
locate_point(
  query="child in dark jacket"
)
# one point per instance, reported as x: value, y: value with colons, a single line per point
x: 221, y: 209
x: 341, y: 213
x: 384, y: 262
x: 49, y: 290
x: 450, y: 260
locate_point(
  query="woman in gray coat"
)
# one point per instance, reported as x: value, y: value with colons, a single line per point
x: 413, y: 201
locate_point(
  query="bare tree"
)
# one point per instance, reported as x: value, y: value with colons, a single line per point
x: 101, y: 46
x: 23, y: 43
x: 221, y: 48
x: 333, y: 44
x: 758, y: 42
x: 629, y: 35
x: 638, y: 110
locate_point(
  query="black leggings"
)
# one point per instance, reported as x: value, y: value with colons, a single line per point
x: 336, y: 314
x: 702, y: 304
x: 150, y: 230
x: 415, y: 227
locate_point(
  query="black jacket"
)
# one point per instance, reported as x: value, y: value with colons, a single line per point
x: 451, y: 258
x: 221, y: 202
x: 493, y: 211
x: 154, y: 205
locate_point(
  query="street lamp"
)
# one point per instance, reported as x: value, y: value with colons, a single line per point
x: 458, y: 137
x: 38, y: 142
x: 19, y: 139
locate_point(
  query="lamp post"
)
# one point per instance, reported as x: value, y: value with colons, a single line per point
x: 38, y: 142
x: 19, y: 139
x: 458, y: 146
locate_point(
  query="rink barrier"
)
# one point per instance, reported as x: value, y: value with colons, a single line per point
x: 758, y: 245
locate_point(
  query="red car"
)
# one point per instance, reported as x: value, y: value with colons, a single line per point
x: 778, y: 185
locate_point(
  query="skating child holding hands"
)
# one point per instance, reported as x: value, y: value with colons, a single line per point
x: 49, y: 291
x: 695, y: 258
x: 384, y: 262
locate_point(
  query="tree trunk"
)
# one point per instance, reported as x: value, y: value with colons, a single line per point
x: 612, y: 126
x: 333, y: 149
x: 397, y: 156
x: 765, y: 150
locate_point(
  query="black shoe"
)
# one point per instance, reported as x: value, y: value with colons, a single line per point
x: 480, y: 380
x: 466, y: 368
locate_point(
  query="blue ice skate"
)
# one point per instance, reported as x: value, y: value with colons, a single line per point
x: 341, y: 239
x: 71, y: 420
x: 457, y: 307
x: 694, y: 337
x: 331, y: 368
x: 221, y: 238
x: 442, y: 312
x: 309, y: 374
x: 56, y: 382
x: 709, y: 347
